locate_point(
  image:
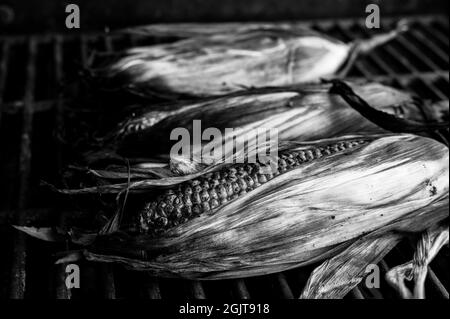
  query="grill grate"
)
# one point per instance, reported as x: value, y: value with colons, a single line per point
x: 31, y: 115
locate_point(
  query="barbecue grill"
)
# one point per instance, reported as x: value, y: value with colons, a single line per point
x: 32, y: 113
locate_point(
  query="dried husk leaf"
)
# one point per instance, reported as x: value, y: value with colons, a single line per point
x: 299, y: 216
x: 335, y: 277
x: 428, y: 247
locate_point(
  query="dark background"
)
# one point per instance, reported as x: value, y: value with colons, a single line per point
x: 33, y: 16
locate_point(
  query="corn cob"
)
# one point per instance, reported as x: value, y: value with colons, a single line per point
x: 224, y: 62
x: 307, y: 211
x: 206, y: 194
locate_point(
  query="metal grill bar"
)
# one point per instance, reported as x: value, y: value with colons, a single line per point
x: 241, y: 289
x: 437, y: 283
x: 18, y: 274
x: 415, y: 50
x: 107, y: 278
x: 197, y: 290
x: 440, y: 36
x: 61, y: 290
x: 3, y: 72
x: 431, y: 46
x: 357, y: 294
x: 108, y: 44
x: 284, y: 288
x: 152, y: 288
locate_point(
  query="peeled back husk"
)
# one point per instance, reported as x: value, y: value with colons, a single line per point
x: 392, y: 183
x: 223, y: 62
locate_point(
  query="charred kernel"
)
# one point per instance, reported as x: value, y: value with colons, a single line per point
x: 169, y: 199
x: 177, y: 200
x: 302, y: 156
x: 196, y: 198
x: 187, y: 211
x: 229, y: 189
x: 162, y: 204
x: 160, y: 212
x: 177, y: 214
x: 290, y: 161
x: 196, y: 209
x: 221, y: 192
x: 198, y: 189
x: 205, y: 206
x: 348, y: 144
x: 249, y: 181
x: 204, y: 195
x: 248, y: 168
x: 188, y: 190
x: 317, y: 153
x: 169, y: 209
x: 179, y: 207
x: 214, y: 203
x: 242, y: 184
x: 232, y: 171
x: 235, y: 187
x: 161, y: 221
x: 205, y: 185
x: 241, y: 170
x: 309, y: 155
x: 214, y: 183
x: 195, y: 182
x: 213, y: 194
x: 282, y: 162
x: 262, y: 179
x: 187, y: 200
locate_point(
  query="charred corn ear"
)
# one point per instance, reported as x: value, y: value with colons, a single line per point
x: 322, y: 197
x: 225, y: 62
x: 306, y: 112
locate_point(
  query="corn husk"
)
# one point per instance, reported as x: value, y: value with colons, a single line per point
x: 227, y: 61
x: 395, y: 183
x: 303, y: 113
x: 427, y: 248
x: 337, y: 276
